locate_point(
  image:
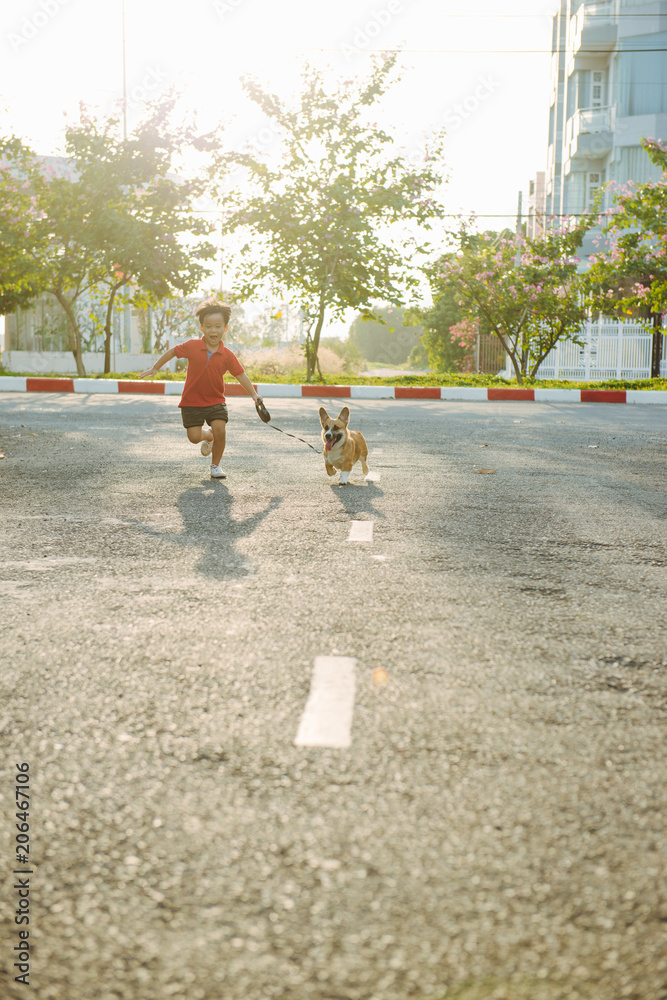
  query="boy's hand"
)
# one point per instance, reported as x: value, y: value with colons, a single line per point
x: 148, y: 374
x: 262, y: 411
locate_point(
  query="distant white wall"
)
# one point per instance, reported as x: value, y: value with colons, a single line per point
x: 63, y: 362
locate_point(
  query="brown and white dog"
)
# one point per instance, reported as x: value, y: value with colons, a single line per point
x: 342, y: 448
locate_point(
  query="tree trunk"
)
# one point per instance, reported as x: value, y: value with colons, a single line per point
x: 108, y: 333
x: 525, y: 355
x: 516, y: 365
x: 656, y: 353
x: 510, y: 353
x: 313, y: 344
x: 73, y: 331
x: 545, y: 351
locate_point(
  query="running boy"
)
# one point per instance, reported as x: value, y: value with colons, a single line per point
x: 203, y: 398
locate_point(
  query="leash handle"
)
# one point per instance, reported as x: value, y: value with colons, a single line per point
x: 262, y: 411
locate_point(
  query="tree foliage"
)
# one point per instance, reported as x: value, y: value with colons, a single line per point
x: 21, y: 279
x: 173, y: 318
x: 144, y: 207
x: 389, y: 339
x: 114, y: 216
x: 527, y: 292
x: 628, y: 277
x: 443, y: 350
x: 319, y: 222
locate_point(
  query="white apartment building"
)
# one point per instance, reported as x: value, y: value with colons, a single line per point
x: 535, y: 223
x: 609, y: 90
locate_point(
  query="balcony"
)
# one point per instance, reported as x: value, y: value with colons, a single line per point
x: 589, y: 133
x: 593, y: 34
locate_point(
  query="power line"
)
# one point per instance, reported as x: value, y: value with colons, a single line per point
x: 465, y: 52
x: 456, y: 215
x: 482, y: 17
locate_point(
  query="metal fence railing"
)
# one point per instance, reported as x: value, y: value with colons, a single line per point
x: 613, y: 350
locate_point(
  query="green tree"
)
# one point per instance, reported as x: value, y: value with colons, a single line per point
x: 353, y: 360
x: 21, y: 279
x: 446, y: 350
x: 387, y: 339
x: 68, y: 266
x: 248, y: 331
x: 323, y: 225
x: 50, y: 205
x: 629, y: 276
x: 527, y: 292
x: 443, y: 351
x: 114, y: 216
x: 143, y: 208
x: 173, y: 318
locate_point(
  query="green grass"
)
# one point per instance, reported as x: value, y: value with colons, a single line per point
x: 441, y: 379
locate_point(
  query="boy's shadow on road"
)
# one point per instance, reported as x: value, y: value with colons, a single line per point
x: 207, y: 524
x: 358, y: 498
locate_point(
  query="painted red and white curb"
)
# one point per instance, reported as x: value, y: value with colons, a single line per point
x: 29, y: 383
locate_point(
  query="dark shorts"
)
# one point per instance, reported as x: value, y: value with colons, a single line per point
x: 194, y: 416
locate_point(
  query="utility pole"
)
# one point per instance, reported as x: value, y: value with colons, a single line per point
x: 124, y: 76
x: 517, y: 259
x: 222, y: 255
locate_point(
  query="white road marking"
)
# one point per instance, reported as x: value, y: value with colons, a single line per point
x: 327, y: 717
x: 375, y: 451
x: 361, y: 531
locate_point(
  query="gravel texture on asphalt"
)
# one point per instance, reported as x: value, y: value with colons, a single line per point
x: 496, y: 830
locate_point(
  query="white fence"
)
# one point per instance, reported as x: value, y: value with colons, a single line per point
x: 614, y: 349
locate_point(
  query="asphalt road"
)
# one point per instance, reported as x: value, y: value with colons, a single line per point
x: 495, y: 830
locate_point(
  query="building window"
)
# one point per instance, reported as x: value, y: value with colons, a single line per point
x: 632, y: 163
x: 594, y: 181
x: 642, y: 76
x: 598, y: 88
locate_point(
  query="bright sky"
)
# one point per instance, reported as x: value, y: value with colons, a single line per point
x: 477, y: 67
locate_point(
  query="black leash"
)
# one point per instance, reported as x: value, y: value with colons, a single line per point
x: 265, y: 416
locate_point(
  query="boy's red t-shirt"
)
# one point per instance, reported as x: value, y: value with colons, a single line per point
x: 204, y: 382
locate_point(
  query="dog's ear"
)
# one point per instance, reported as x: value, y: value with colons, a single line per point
x: 324, y: 416
x: 344, y: 415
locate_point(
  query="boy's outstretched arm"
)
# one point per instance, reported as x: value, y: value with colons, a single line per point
x: 245, y: 382
x: 158, y: 364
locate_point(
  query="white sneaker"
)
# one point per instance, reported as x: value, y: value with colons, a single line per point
x: 217, y: 473
x: 206, y: 447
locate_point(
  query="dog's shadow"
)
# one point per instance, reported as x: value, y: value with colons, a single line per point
x: 358, y: 498
x: 208, y: 525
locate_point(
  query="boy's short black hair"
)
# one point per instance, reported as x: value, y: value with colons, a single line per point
x: 211, y: 306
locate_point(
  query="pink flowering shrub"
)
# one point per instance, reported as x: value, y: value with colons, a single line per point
x: 628, y: 274
x: 526, y: 292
